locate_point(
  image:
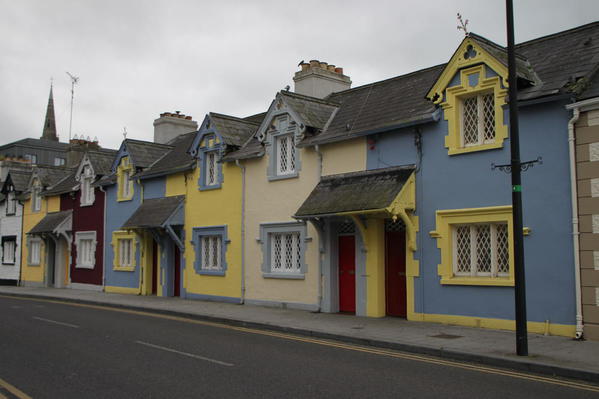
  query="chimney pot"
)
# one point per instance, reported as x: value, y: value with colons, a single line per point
x: 305, y: 66
x: 324, y: 65
x: 188, y: 117
x: 314, y: 63
x: 339, y: 70
x: 331, y: 68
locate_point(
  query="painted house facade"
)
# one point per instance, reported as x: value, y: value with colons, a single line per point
x: 11, y: 221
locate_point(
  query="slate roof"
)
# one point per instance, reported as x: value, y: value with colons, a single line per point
x: 257, y: 118
x: 50, y: 222
x: 145, y: 153
x: 559, y: 58
x: 102, y: 161
x: 235, y: 131
x: 253, y: 148
x: 313, y: 111
x: 176, y: 160
x: 63, y: 186
x: 105, y: 181
x: 354, y: 192
x: 50, y: 175
x: 41, y: 143
x: 20, y: 179
x: 153, y: 212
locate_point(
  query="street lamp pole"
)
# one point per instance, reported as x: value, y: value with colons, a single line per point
x: 516, y: 165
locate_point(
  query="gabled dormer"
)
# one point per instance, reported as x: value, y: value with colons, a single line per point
x: 290, y: 118
x: 472, y: 91
x: 86, y: 176
x: 218, y: 135
x: 133, y: 156
x: 36, y: 193
x: 8, y: 190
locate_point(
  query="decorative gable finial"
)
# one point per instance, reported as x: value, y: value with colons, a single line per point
x: 125, y: 132
x: 463, y: 25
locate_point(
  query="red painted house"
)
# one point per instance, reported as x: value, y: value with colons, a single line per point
x: 79, y: 194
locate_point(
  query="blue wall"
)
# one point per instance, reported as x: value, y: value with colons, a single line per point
x: 467, y: 181
x: 116, y: 215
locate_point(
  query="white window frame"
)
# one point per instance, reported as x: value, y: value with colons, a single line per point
x: 210, y: 244
x: 288, y: 151
x: 34, y: 251
x: 36, y: 199
x: 10, y: 251
x: 86, y: 243
x: 126, y: 184
x: 125, y: 256
x: 473, y: 247
x: 87, y: 190
x: 481, y: 119
x: 11, y: 203
x: 211, y: 252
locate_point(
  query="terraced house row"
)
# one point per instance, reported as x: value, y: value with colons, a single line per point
x: 379, y: 200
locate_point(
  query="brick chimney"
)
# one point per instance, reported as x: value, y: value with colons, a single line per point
x: 319, y: 79
x: 78, y: 146
x: 170, y: 125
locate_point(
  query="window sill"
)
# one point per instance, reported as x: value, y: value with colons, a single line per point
x: 287, y: 276
x: 8, y: 263
x: 34, y: 264
x: 483, y: 281
x: 11, y: 213
x: 87, y: 204
x: 211, y: 272
x: 123, y: 268
x: 123, y: 199
x: 474, y: 148
x: 208, y: 188
x: 89, y: 267
x: 283, y: 177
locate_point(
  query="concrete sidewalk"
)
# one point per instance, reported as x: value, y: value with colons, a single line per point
x: 558, y: 356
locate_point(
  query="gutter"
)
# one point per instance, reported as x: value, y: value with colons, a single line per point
x: 242, y: 167
x: 576, y: 108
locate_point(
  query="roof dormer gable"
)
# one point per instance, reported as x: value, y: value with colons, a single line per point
x: 207, y: 138
x: 281, y: 119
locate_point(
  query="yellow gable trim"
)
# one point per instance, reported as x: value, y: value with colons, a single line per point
x: 459, y: 60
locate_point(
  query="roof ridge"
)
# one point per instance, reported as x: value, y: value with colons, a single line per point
x: 368, y: 172
x: 234, y: 118
x: 368, y: 85
x: 556, y: 34
x: 309, y: 98
x: 147, y: 142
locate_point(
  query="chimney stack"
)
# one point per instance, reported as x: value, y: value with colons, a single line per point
x: 319, y: 79
x: 170, y: 125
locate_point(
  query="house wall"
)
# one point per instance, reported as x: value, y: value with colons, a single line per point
x: 276, y: 201
x: 209, y: 208
x: 587, y: 170
x: 86, y: 218
x: 117, y: 213
x: 467, y: 181
x: 11, y: 226
x: 34, y: 275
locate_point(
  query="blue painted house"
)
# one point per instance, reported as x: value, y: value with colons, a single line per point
x: 426, y: 231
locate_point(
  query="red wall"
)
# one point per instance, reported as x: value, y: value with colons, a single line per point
x: 87, y: 218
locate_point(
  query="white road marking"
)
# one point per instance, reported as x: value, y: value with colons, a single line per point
x: 56, y: 322
x: 185, y: 353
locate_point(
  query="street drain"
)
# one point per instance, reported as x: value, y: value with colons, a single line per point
x: 445, y: 336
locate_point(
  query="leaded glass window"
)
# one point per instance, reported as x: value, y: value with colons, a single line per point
x: 481, y: 250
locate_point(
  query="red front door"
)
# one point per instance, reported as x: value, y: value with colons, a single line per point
x: 177, y: 279
x: 347, y: 274
x: 395, y: 273
x: 154, y: 268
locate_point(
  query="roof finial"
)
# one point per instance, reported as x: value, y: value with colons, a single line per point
x: 463, y: 25
x: 125, y: 132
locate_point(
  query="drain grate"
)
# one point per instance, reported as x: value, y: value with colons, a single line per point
x: 445, y: 336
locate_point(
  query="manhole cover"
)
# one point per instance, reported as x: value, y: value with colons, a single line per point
x: 445, y: 336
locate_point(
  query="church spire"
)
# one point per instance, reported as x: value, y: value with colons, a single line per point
x: 49, y: 132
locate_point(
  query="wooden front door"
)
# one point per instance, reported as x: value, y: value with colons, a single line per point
x: 177, y: 274
x: 395, y: 273
x: 347, y: 274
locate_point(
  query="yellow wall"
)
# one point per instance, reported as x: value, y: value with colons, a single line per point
x: 216, y: 207
x: 30, y: 219
x: 343, y: 157
x: 175, y: 185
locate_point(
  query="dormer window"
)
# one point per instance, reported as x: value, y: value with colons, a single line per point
x: 125, y: 184
x: 11, y: 203
x: 478, y: 120
x: 211, y: 169
x: 36, y: 199
x: 284, y: 155
x: 87, y: 190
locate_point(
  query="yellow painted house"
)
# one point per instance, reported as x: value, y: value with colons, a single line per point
x: 46, y: 231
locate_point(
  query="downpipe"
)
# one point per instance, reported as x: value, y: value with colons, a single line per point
x: 321, y: 236
x: 242, y: 300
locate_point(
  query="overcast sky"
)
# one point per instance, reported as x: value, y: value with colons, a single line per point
x: 137, y: 59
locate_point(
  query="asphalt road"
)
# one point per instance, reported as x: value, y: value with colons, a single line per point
x: 58, y: 350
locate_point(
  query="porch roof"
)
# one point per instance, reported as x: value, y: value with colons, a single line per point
x: 355, y: 192
x: 52, y: 221
x: 156, y: 212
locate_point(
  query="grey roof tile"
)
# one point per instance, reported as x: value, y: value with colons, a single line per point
x: 144, y: 153
x: 354, y: 192
x: 235, y: 131
x: 176, y: 160
x: 65, y: 185
x: 20, y: 179
x: 313, y: 111
x: 154, y: 212
x: 102, y: 161
x: 50, y: 222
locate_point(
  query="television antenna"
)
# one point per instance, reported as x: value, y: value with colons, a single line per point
x: 74, y: 80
